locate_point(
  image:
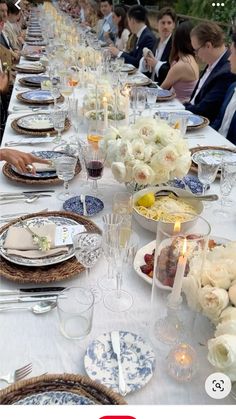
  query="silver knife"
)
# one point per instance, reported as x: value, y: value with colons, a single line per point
x: 37, y: 290
x: 20, y: 196
x: 115, y: 340
x: 2, y: 194
x: 28, y: 299
x: 36, y: 141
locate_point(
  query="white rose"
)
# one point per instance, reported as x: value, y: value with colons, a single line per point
x: 162, y: 174
x: 119, y: 171
x: 213, y: 301
x: 182, y: 165
x: 216, y: 275
x: 143, y: 174
x: 232, y: 294
x: 228, y: 314
x: 124, y: 151
x: 191, y: 285
x: 226, y: 328
x: 222, y: 354
x: 138, y: 147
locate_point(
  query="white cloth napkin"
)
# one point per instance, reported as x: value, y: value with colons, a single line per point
x: 44, y: 167
x: 19, y: 241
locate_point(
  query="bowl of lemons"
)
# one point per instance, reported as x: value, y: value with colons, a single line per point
x: 166, y: 204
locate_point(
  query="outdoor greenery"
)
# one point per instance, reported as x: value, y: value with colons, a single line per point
x: 204, y: 9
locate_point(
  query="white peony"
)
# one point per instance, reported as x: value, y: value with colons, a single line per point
x: 228, y: 314
x: 215, y: 274
x: 213, y: 301
x: 138, y: 147
x: 226, y: 328
x: 232, y: 294
x: 222, y: 354
x: 119, y: 171
x: 143, y: 174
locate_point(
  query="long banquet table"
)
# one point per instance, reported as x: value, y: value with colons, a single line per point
x: 26, y: 337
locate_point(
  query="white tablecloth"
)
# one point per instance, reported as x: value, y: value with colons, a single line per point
x: 26, y: 337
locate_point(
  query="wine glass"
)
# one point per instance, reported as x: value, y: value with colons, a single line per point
x: 54, y: 89
x: 58, y: 118
x: 118, y: 300
x: 65, y: 168
x: 75, y: 114
x: 227, y: 181
x: 94, y: 162
x: 88, y: 249
x: 141, y: 100
x: 151, y: 98
x: 133, y: 101
x: 207, y: 173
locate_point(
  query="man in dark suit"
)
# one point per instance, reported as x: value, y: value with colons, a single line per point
x: 156, y: 66
x: 225, y: 123
x: 137, y: 16
x: 208, y: 42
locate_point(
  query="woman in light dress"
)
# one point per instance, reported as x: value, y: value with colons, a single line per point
x: 120, y: 20
x: 184, y: 71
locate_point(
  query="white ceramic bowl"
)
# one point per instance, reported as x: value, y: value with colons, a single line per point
x: 150, y: 224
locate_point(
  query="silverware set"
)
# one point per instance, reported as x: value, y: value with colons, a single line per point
x: 17, y: 375
x: 28, y: 196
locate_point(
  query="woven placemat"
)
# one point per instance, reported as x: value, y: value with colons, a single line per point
x: 45, y: 274
x: 16, y: 177
x: 78, y: 384
x: 165, y: 99
x: 202, y: 125
x: 19, y: 96
x: 34, y: 133
x: 31, y: 70
x: 194, y: 166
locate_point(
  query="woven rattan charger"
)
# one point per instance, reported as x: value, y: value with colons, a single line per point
x: 34, y: 133
x: 30, y: 70
x: 16, y: 177
x: 25, y: 83
x: 45, y: 274
x: 20, y: 97
x: 204, y: 124
x: 78, y: 384
x: 194, y: 166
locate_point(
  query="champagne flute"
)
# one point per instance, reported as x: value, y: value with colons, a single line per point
x: 65, y: 168
x: 88, y: 249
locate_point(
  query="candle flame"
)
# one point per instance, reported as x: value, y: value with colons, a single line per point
x: 184, y: 247
x: 104, y: 99
x: 177, y: 227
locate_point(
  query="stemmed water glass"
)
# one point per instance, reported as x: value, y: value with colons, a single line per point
x: 141, y: 100
x: 65, y: 169
x: 88, y: 249
x: 207, y: 173
x: 94, y: 163
x: 54, y: 89
x: 58, y: 118
x: 151, y: 98
x: 227, y: 181
x: 118, y: 300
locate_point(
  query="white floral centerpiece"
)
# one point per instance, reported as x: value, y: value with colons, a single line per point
x: 213, y: 293
x: 149, y: 152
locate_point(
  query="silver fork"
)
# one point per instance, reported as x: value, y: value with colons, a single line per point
x: 18, y: 374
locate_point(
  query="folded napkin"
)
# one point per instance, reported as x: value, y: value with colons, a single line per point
x: 19, y: 242
x: 44, y: 167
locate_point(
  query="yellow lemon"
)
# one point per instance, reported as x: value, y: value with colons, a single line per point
x: 146, y: 200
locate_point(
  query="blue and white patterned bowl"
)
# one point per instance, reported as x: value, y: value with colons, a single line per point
x: 137, y: 357
x: 93, y: 205
x: 55, y: 397
x: 191, y: 181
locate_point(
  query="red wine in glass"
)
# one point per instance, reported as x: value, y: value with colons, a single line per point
x: 94, y: 169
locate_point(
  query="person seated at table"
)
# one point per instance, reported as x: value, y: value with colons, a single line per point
x: 22, y: 161
x: 92, y: 15
x: 137, y: 18
x: 225, y: 123
x: 4, y: 41
x: 107, y: 25
x: 207, y: 39
x: 184, y: 72
x: 13, y: 15
x: 119, y: 17
x: 156, y: 66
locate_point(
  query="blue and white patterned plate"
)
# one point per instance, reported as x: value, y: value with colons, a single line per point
x: 36, y: 122
x: 35, y: 79
x: 39, y: 95
x: 193, y: 120
x: 48, y: 155
x: 214, y: 155
x: 43, y: 261
x: 164, y: 93
x: 30, y: 67
x: 190, y: 181
x: 55, y: 397
x: 93, y: 205
x: 137, y: 356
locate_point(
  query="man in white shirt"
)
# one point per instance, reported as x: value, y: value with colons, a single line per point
x: 225, y: 122
x: 157, y: 66
x: 107, y: 25
x: 207, y: 40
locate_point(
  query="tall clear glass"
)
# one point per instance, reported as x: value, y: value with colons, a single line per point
x: 65, y: 169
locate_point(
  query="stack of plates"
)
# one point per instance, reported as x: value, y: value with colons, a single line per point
x: 38, y: 97
x: 33, y: 81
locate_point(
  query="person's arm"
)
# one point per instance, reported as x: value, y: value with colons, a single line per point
x: 175, y: 74
x: 3, y: 82
x: 19, y: 159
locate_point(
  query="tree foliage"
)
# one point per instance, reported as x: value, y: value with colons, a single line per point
x: 204, y: 9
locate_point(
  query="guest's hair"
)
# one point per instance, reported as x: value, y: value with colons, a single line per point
x: 167, y: 11
x: 120, y: 12
x: 234, y: 39
x: 138, y: 13
x: 181, y: 42
x: 209, y: 32
x: 12, y: 9
x: 108, y: 1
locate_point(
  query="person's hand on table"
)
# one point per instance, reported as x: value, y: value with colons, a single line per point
x: 150, y: 61
x: 22, y: 161
x: 114, y: 51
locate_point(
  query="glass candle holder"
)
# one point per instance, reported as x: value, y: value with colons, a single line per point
x: 182, y: 362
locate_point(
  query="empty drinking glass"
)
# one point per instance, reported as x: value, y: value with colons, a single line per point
x: 65, y: 168
x: 88, y: 249
x: 58, y: 117
x: 141, y: 100
x: 178, y: 121
x: 227, y: 181
x: 151, y: 98
x: 207, y: 172
x: 75, y: 310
